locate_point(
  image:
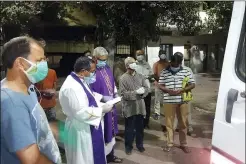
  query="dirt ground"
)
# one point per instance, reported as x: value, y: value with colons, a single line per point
x: 203, y: 109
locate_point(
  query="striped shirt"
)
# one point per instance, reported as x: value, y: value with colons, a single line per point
x: 174, y: 81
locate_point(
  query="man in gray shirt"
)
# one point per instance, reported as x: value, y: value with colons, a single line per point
x: 144, y: 69
x: 133, y: 89
x: 26, y: 135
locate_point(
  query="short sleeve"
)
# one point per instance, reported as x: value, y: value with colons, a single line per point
x: 191, y: 77
x: 162, y: 78
x: 55, y: 76
x: 16, y: 128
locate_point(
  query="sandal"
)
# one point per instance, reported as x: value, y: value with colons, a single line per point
x: 167, y: 148
x: 115, y: 160
x: 185, y: 149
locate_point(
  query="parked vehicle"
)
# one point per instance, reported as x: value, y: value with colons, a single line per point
x: 228, y: 142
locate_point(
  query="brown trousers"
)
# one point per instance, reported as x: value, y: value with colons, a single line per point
x: 170, y: 110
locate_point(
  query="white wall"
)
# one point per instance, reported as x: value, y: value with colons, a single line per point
x: 179, y: 42
x: 153, y: 55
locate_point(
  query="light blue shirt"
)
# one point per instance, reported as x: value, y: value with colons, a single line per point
x: 23, y: 123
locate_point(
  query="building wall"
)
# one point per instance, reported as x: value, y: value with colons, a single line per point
x: 206, y: 42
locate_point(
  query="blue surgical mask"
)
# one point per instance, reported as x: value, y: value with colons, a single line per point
x: 90, y: 79
x: 101, y: 63
x: 37, y: 72
x: 175, y: 69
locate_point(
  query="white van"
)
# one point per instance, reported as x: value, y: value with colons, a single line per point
x: 228, y: 143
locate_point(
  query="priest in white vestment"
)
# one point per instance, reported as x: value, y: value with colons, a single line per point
x: 83, y: 141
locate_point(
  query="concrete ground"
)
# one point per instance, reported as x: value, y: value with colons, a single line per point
x: 204, y: 104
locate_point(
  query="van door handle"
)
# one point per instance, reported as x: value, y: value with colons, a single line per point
x: 231, y: 98
x: 243, y: 94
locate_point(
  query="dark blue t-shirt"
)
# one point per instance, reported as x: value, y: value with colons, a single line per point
x: 23, y: 122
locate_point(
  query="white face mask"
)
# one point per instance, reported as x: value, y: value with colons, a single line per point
x: 163, y: 56
x: 133, y: 66
x: 140, y: 58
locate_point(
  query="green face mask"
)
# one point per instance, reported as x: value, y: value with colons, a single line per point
x: 37, y: 72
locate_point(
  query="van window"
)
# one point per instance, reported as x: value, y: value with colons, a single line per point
x: 240, y: 61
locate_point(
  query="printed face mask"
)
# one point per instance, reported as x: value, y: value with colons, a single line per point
x: 101, y: 63
x: 37, y: 72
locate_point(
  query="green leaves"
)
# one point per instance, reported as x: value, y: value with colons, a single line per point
x: 219, y: 16
x: 18, y: 12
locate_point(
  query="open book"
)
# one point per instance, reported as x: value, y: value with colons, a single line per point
x: 114, y: 101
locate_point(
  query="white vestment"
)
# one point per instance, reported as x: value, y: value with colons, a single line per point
x: 75, y: 105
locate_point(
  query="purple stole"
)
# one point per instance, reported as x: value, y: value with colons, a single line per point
x: 96, y: 134
x: 101, y: 87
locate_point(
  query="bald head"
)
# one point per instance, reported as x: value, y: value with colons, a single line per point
x: 140, y: 52
x: 128, y: 61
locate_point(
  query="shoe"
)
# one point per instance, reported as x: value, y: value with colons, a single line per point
x: 189, y: 133
x: 128, y: 152
x: 115, y: 160
x: 146, y: 127
x: 142, y: 149
x: 167, y: 148
x: 156, y: 116
x: 185, y: 149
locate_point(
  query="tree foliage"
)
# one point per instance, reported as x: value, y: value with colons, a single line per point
x: 18, y: 13
x: 140, y: 19
x: 219, y: 16
x: 23, y: 14
x: 123, y: 20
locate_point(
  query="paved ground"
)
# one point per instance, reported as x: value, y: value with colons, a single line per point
x: 200, y: 142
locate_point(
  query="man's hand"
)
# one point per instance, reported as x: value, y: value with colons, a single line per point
x: 107, y: 98
x: 140, y: 91
x: 174, y: 92
x: 107, y: 108
x: 32, y: 155
x: 156, y: 83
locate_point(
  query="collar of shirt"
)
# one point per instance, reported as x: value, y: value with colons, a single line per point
x: 170, y: 70
x: 133, y: 74
x: 142, y: 63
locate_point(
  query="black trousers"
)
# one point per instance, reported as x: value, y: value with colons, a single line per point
x: 134, y: 126
x: 147, y: 101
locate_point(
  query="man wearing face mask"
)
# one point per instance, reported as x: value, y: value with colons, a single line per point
x: 105, y: 85
x: 84, y: 141
x: 190, y: 129
x: 170, y: 83
x: 157, y: 68
x: 144, y: 69
x: 133, y: 89
x: 26, y: 135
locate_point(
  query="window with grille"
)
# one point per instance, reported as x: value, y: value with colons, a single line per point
x: 168, y: 48
x: 123, y: 49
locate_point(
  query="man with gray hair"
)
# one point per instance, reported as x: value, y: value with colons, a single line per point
x: 105, y: 85
x: 133, y: 89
